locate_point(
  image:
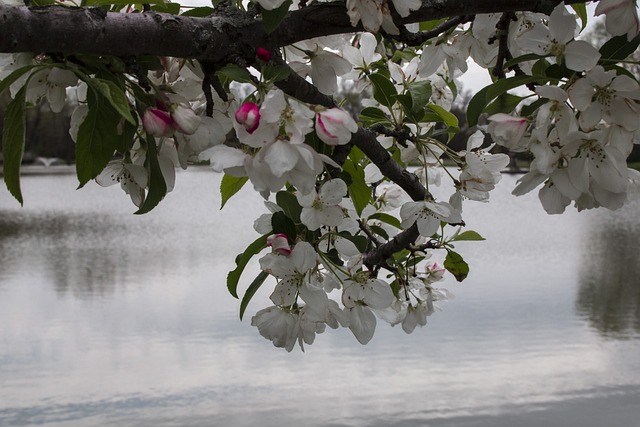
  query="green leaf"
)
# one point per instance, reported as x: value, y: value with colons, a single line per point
x: 97, y: 137
x: 11, y: 78
x: 241, y: 262
x: 359, y: 191
x: 581, y: 11
x: 114, y: 95
x: 618, y: 48
x: 42, y: 2
x: 157, y: 184
x: 521, y: 58
x: 468, y: 235
x: 229, y: 186
x: 251, y: 291
x: 447, y: 117
x: 420, y: 93
x: 275, y: 73
x: 504, y: 103
x: 172, y: 8
x: 235, y: 73
x: 486, y: 95
x: 456, y: 265
x: 372, y: 115
x: 13, y: 140
x: 387, y: 219
x: 282, y: 224
x: 289, y: 204
x: 199, y: 12
x: 383, y: 90
x: 430, y: 25
x: 272, y: 18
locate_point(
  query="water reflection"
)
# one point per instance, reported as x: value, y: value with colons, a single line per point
x: 112, y: 319
x: 609, y: 291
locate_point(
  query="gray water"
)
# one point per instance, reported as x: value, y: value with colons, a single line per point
x: 111, y: 319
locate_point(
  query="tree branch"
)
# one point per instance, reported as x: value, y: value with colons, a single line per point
x: 91, y: 30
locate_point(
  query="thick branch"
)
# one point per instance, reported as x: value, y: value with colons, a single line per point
x: 67, y: 29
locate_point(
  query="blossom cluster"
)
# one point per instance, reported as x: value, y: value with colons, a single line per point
x: 336, y: 208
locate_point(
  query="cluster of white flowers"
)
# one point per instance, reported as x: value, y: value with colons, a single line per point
x: 328, y: 215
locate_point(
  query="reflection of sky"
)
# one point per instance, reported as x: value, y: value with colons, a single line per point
x: 113, y: 319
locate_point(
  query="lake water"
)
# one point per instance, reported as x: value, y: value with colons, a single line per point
x: 111, y: 319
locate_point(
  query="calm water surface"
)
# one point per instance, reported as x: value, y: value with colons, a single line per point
x: 111, y: 319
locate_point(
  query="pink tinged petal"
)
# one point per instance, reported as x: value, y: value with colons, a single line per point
x: 185, y: 120
x: 279, y: 243
x: 157, y: 122
x: 248, y: 115
x: 362, y: 323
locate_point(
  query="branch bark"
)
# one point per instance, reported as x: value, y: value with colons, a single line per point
x: 91, y: 30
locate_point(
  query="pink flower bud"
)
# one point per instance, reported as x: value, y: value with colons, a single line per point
x: 157, y: 122
x: 263, y: 54
x: 248, y: 115
x: 279, y: 244
x: 185, y: 119
x: 335, y: 126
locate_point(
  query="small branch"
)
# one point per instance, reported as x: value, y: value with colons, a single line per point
x: 503, y: 51
x: 369, y: 234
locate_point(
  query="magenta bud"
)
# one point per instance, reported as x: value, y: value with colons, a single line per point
x: 248, y: 115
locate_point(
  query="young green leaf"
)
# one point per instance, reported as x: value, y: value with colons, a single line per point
x: 97, y: 137
x: 282, y: 224
x: 289, y: 204
x: 456, y: 265
x: 229, y: 186
x: 383, y: 90
x: 251, y: 291
x: 157, y: 184
x: 272, y: 18
x: 13, y: 140
x: 359, y: 191
x: 115, y: 96
x: 468, y: 235
x: 241, y: 262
